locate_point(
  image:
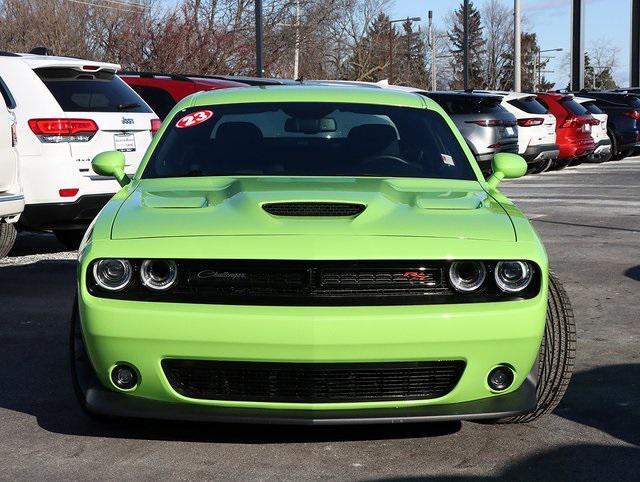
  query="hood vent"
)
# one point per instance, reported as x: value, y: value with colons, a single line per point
x: 313, y: 209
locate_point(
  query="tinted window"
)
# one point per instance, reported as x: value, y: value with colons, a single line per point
x: 309, y: 139
x: 159, y: 100
x: 572, y: 106
x: 6, y: 95
x: 592, y: 107
x: 100, y: 91
x: 530, y: 105
x: 471, y: 104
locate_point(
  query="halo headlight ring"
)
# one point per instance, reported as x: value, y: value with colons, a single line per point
x: 112, y: 274
x: 158, y: 274
x: 513, y: 276
x: 467, y: 276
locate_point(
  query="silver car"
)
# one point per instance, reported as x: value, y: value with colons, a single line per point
x: 486, y: 125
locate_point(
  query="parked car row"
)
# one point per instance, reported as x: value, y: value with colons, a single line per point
x: 60, y: 112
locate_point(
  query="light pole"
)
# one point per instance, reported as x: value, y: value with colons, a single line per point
x: 258, y: 14
x: 517, y: 83
x: 391, y: 22
x: 537, y: 70
x: 465, y: 45
x: 432, y: 44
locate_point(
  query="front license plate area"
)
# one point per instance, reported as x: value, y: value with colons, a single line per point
x: 124, y: 142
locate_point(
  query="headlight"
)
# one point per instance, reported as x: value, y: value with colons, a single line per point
x: 158, y: 274
x: 513, y: 276
x: 467, y: 276
x: 112, y: 274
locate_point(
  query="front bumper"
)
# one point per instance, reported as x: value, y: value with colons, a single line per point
x: 143, y: 334
x: 77, y: 214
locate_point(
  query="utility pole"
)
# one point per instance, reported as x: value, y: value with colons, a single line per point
x: 296, y: 58
x: 432, y: 44
x: 517, y: 84
x: 259, y: 63
x: 465, y: 45
x: 577, y: 44
x: 634, y: 51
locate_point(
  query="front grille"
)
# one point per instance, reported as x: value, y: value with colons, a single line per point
x: 312, y: 283
x: 312, y: 382
x: 313, y: 209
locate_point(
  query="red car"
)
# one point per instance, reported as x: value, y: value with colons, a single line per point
x: 163, y: 91
x: 573, y: 127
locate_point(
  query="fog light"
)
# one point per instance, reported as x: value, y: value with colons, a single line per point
x: 500, y: 378
x: 124, y: 377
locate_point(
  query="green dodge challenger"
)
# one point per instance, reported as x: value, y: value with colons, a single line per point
x: 316, y: 255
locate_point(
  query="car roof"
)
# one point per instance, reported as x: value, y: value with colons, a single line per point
x: 309, y: 93
x: 36, y: 61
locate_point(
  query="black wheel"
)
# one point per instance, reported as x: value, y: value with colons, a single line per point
x: 71, y: 238
x: 540, y: 167
x: 557, y: 354
x: 622, y: 155
x: 7, y: 238
x: 82, y: 376
x: 559, y: 164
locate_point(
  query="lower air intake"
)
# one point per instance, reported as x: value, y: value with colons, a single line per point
x: 312, y: 382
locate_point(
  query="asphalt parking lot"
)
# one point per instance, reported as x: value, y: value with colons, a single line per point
x: 589, y: 218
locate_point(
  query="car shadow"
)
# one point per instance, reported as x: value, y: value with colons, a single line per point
x: 32, y: 243
x: 633, y: 273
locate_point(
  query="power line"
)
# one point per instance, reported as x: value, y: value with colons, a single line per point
x: 111, y: 7
x: 128, y: 4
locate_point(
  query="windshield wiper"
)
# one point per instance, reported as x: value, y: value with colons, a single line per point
x: 128, y: 105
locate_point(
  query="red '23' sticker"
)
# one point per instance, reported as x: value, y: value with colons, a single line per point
x: 193, y: 119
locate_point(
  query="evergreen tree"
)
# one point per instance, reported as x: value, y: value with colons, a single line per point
x: 596, y: 76
x: 532, y: 78
x: 370, y: 58
x: 476, y: 47
x: 410, y: 54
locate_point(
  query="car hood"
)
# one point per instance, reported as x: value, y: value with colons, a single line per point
x: 225, y: 206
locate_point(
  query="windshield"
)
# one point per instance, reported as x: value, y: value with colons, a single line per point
x: 308, y: 139
x: 100, y: 91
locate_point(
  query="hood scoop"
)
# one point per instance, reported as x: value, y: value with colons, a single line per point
x: 314, y: 209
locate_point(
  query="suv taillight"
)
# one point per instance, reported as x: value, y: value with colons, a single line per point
x: 155, y: 126
x: 486, y: 122
x: 63, y: 130
x: 634, y: 114
x: 14, y: 129
x: 530, y: 122
x: 572, y: 121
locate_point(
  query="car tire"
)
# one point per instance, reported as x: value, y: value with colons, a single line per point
x: 82, y: 375
x: 7, y: 238
x: 557, y: 354
x: 559, y: 164
x: 540, y: 167
x: 70, y: 238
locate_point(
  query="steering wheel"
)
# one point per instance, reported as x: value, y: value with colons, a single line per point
x: 387, y: 158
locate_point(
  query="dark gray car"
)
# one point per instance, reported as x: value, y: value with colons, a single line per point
x: 486, y: 125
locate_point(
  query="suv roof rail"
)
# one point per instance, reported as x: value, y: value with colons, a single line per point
x: 8, y: 54
x: 155, y: 74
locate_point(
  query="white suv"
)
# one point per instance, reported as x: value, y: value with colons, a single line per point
x: 11, y: 199
x: 536, y: 129
x: 598, y: 131
x: 67, y: 111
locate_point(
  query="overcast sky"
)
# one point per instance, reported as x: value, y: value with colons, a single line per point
x: 606, y: 21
